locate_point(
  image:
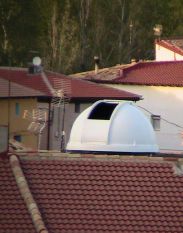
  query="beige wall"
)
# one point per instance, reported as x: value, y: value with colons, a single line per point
x: 166, y: 102
x: 44, y: 136
x: 56, y: 125
x: 18, y: 125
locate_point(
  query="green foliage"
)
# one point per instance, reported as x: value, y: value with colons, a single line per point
x: 67, y: 34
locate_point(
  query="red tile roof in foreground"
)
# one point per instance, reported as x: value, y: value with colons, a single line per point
x: 100, y: 194
x: 75, y: 89
x: 167, y: 73
x: 174, y: 45
x: 14, y: 216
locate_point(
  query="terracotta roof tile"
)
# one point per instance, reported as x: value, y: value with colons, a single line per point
x: 94, y: 195
x: 35, y: 85
x: 22, y: 77
x: 106, y: 196
x: 167, y: 73
x: 14, y: 216
x: 155, y: 73
x: 82, y: 89
x: 17, y: 90
x: 104, y: 74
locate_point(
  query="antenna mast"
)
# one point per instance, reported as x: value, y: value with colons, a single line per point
x: 60, y: 98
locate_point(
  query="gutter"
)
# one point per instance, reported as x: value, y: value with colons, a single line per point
x: 27, y: 196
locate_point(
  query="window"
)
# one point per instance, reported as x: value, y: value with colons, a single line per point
x: 18, y: 138
x: 155, y: 119
x: 17, y: 109
x: 77, y: 108
x: 102, y: 111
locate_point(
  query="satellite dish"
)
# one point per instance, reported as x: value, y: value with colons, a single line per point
x: 36, y: 61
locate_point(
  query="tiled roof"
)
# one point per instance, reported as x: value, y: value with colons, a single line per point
x: 167, y: 73
x: 45, y: 84
x: 23, y: 78
x: 104, y: 74
x: 100, y: 194
x: 17, y: 90
x: 164, y: 73
x: 14, y: 217
x: 82, y: 89
x: 175, y: 45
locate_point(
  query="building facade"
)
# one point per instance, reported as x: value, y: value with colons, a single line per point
x: 161, y: 85
x: 169, y: 50
x: 40, y: 108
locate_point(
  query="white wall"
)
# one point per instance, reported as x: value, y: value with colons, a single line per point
x: 164, y: 101
x: 163, y: 54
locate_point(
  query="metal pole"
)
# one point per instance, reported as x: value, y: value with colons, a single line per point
x: 9, y: 104
x: 62, y: 146
x: 49, y: 125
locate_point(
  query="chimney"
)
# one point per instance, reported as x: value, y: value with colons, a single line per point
x: 158, y: 29
x: 97, y: 61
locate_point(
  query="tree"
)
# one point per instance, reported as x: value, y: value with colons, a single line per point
x: 8, y: 9
x: 67, y: 34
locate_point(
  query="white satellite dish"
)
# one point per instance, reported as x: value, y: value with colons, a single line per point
x: 36, y: 61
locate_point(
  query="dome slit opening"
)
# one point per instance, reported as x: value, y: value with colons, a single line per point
x: 102, y: 111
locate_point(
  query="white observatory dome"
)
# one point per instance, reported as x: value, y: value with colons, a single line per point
x: 112, y: 126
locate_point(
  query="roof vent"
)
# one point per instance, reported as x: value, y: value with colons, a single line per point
x: 112, y: 127
x: 35, y: 67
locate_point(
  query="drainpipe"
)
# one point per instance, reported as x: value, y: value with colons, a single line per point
x: 62, y: 146
x: 27, y: 196
x: 49, y: 125
x: 9, y: 112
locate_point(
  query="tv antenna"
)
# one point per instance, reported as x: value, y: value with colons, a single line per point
x: 38, y: 119
x: 61, y: 97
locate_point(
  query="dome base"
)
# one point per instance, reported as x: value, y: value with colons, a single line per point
x: 113, y: 148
